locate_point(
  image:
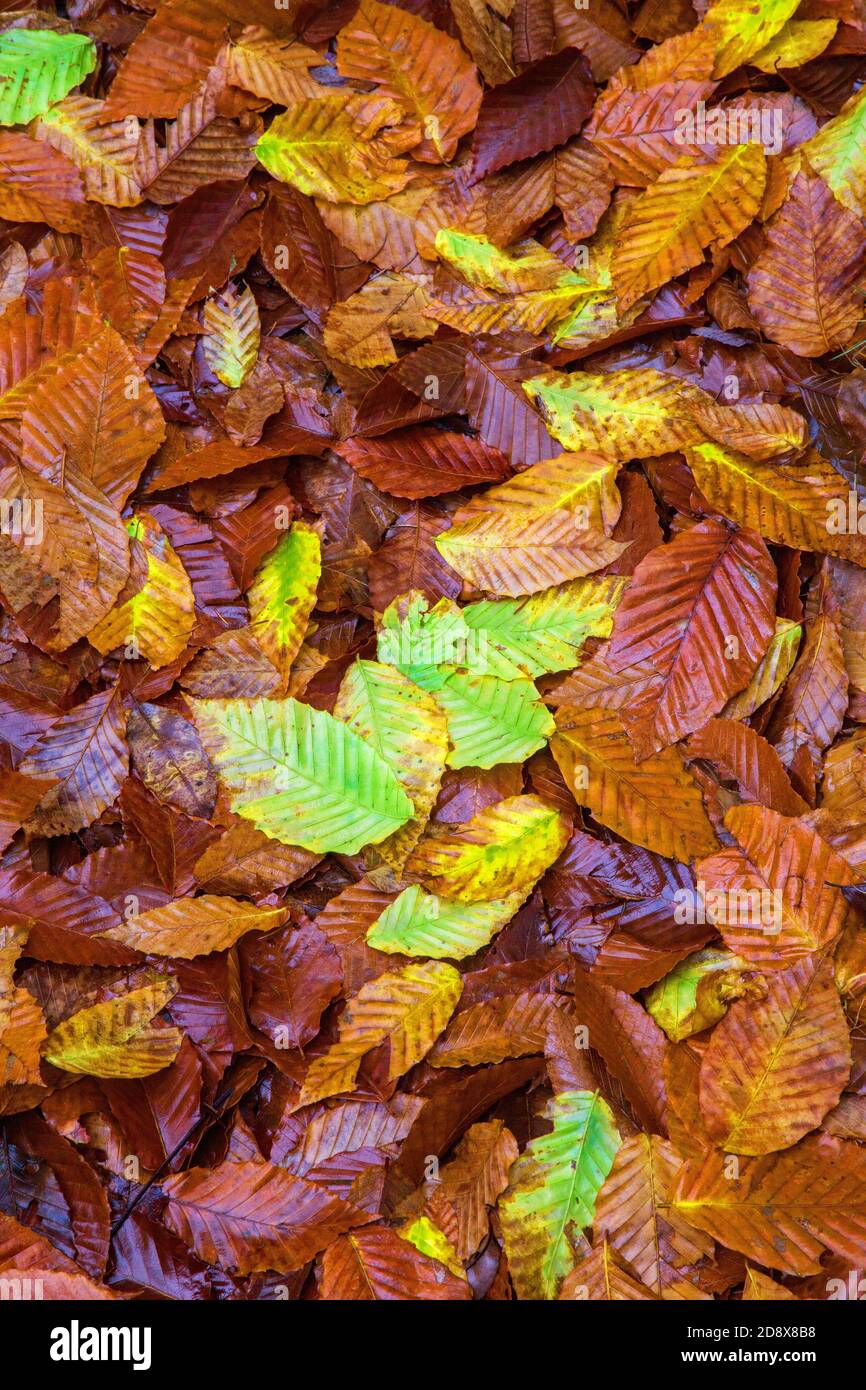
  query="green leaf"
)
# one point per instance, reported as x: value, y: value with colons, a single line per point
x: 545, y: 632
x: 553, y: 1189
x: 406, y: 727
x: 37, y: 68
x: 300, y: 775
x: 490, y: 721
x: 418, y: 923
x: 418, y: 642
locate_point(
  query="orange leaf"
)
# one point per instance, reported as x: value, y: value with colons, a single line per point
x: 774, y: 1067
x: 420, y: 67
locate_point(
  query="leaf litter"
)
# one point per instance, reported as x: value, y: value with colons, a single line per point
x: 431, y: 660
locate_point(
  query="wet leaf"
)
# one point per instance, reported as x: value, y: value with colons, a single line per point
x: 432, y: 690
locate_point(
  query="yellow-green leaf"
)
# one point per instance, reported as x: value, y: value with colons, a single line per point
x: 525, y: 267
x: 696, y: 993
x: 418, y: 923
x: 37, y: 68
x: 427, y: 1237
x: 490, y: 721
x: 545, y: 632
x: 838, y: 153
x: 300, y: 775
x: 409, y: 731
x: 283, y: 594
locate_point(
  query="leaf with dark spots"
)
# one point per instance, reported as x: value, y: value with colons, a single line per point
x: 167, y: 755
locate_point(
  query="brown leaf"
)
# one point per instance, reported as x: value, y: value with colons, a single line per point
x: 253, y: 1216
x: 168, y: 756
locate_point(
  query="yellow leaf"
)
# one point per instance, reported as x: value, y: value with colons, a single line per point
x: 332, y: 147
x: 232, y: 332
x: 620, y: 415
x: 525, y: 266
x: 774, y: 668
x: 741, y: 28
x: 759, y: 1287
x: 797, y: 43
x: 409, y: 1007
x: 156, y: 621
x: 283, y: 594
x: 803, y: 505
x: 549, y: 524
x: 116, y: 1038
x: 426, y: 1237
x: 526, y: 287
x: 691, y: 207
x: 504, y: 848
